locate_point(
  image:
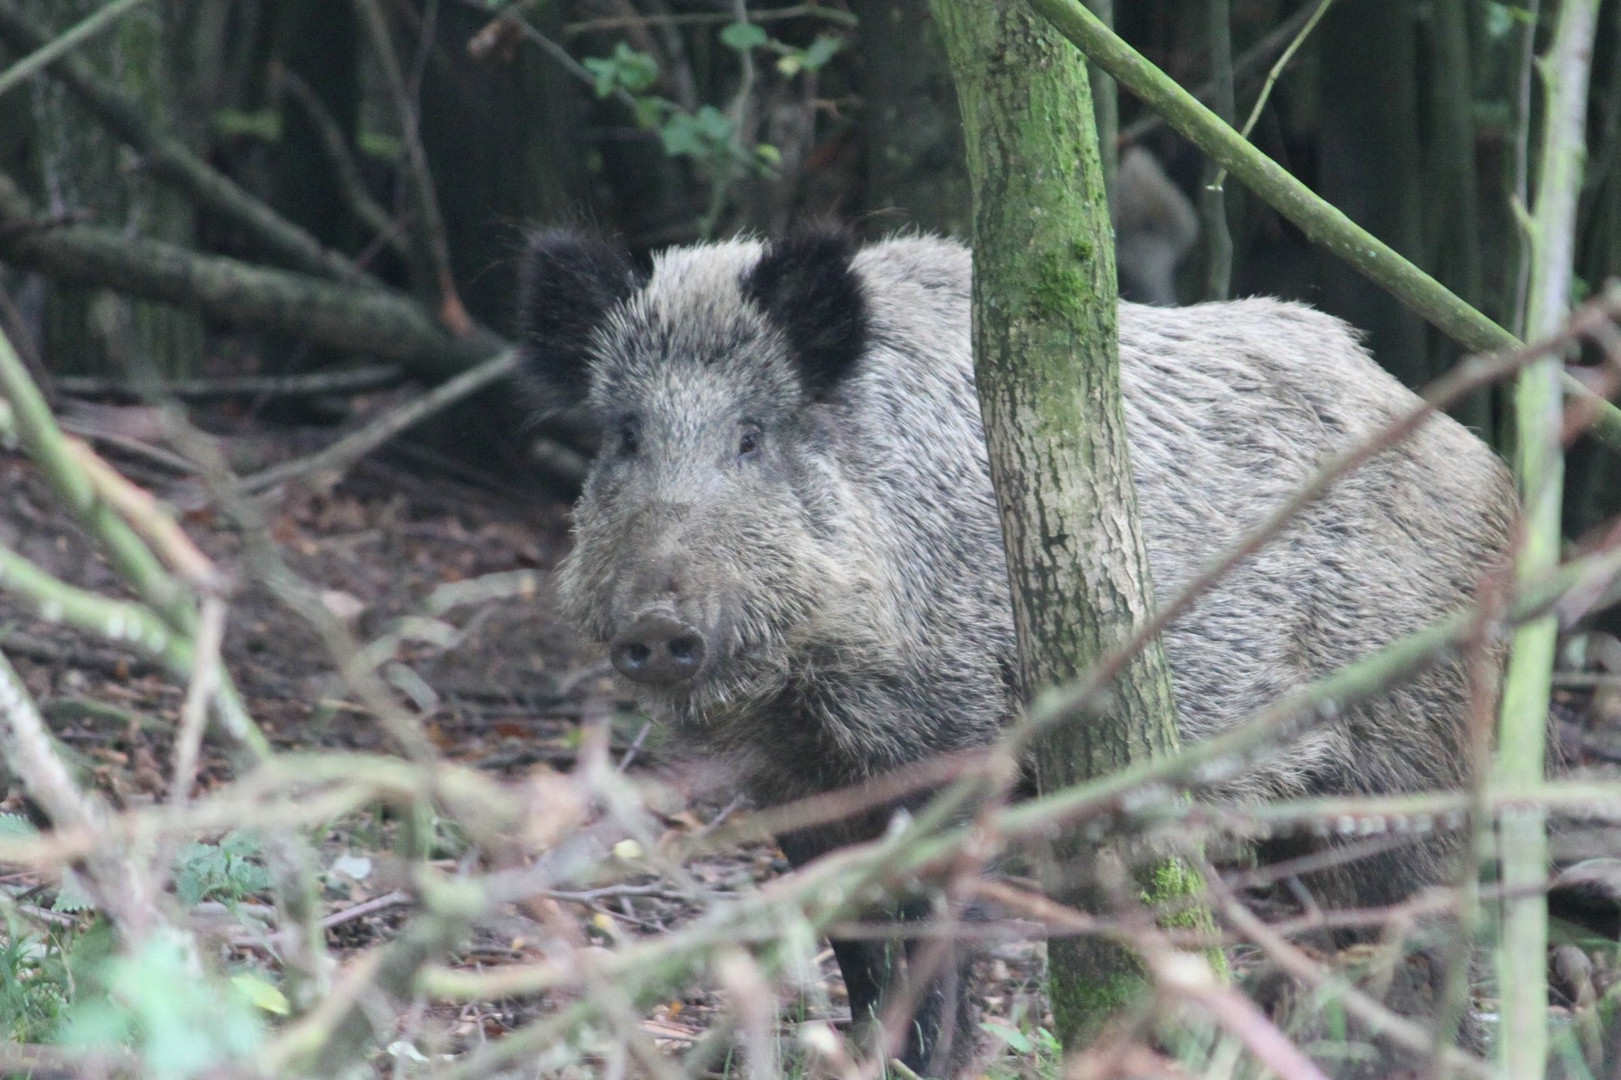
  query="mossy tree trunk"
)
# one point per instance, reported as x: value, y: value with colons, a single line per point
x: 1046, y: 359
x: 317, y: 41
x: 156, y: 55
x: 914, y: 173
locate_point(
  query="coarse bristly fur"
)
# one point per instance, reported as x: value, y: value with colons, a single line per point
x: 794, y: 466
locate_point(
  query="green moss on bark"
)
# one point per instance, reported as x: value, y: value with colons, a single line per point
x: 1046, y: 361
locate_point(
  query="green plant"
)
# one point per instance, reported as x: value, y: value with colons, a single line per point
x: 159, y: 1001
x: 226, y: 871
x: 33, y: 982
x: 709, y: 135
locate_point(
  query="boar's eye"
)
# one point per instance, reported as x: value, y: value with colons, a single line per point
x: 629, y: 431
x: 749, y: 439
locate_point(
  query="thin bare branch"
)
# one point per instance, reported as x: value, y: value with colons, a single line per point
x: 170, y: 161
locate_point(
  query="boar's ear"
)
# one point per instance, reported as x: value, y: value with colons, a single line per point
x: 567, y: 283
x: 805, y: 285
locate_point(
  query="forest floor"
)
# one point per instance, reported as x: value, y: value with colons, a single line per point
x: 500, y: 684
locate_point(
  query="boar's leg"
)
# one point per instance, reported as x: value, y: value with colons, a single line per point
x: 939, y: 1037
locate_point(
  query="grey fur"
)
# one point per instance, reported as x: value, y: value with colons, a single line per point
x: 850, y: 579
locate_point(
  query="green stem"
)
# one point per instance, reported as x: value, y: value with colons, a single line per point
x: 1539, y: 467
x: 47, y: 446
x: 1321, y: 222
x: 65, y: 42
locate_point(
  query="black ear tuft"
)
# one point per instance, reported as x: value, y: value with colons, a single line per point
x: 567, y: 283
x: 805, y: 285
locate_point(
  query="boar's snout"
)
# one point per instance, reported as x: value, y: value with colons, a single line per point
x: 658, y: 650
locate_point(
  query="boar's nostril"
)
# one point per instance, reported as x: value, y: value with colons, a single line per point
x: 657, y: 650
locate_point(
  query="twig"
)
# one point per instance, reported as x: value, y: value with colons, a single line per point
x: 298, y: 596
x: 327, y: 467
x: 115, y: 620
x: 89, y: 429
x: 65, y: 42
x: 94, y: 504
x: 122, y: 885
x: 1381, y: 1021
x: 392, y: 899
x: 1177, y: 974
x: 204, y: 686
x: 64, y: 471
x: 352, y: 380
x: 39, y: 1062
x: 1276, y: 72
x: 1463, y: 379
x: 704, y: 18
x: 1213, y: 199
x: 149, y: 518
x: 1244, y: 66
x: 341, y: 316
x: 344, y: 166
x: 432, y: 247
x: 170, y: 161
x: 1322, y: 223
x: 1519, y: 195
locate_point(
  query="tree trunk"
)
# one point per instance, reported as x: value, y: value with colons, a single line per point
x: 1452, y: 216
x: 495, y: 130
x: 1046, y: 361
x: 913, y: 142
x: 1369, y: 168
x: 86, y: 330
x: 318, y: 42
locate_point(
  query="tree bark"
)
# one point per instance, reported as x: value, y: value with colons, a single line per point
x: 493, y: 130
x: 1046, y: 360
x: 375, y: 321
x: 913, y: 142
x: 1452, y: 218
x: 1369, y: 168
x: 317, y: 41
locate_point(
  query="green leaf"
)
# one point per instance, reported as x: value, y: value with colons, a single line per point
x: 262, y: 124
x: 1017, y: 1040
x: 680, y: 136
x: 225, y: 871
x: 714, y: 124
x: 637, y: 70
x: 742, y: 36
x: 262, y: 994
x: 649, y: 112
x: 627, y: 69
x: 604, y: 72
x: 820, y: 52
x: 72, y: 896
x: 17, y: 827
x: 182, y: 1022
x: 768, y: 154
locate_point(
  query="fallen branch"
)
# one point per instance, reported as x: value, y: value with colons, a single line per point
x: 169, y: 160
x: 331, y: 381
x: 327, y: 467
x: 228, y: 290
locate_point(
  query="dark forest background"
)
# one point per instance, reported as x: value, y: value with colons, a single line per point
x: 668, y: 122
